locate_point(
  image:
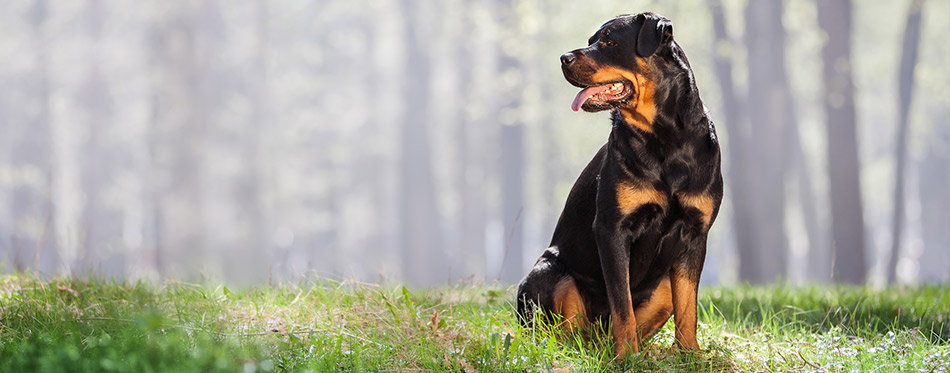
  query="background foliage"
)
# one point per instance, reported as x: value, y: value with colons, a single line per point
x: 429, y: 141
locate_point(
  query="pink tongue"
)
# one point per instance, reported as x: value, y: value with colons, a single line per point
x: 585, y: 94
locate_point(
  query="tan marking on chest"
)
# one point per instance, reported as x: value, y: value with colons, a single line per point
x: 702, y: 202
x: 630, y: 197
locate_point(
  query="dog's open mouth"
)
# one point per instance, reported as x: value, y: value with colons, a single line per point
x: 601, y: 97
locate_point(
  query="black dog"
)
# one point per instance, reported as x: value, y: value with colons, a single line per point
x: 631, y: 241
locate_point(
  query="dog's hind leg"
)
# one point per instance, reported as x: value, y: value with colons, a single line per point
x: 536, y: 291
x: 569, y: 304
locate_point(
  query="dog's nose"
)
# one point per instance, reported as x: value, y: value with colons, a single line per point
x: 567, y: 58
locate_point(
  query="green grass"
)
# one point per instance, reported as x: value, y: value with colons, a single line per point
x: 71, y: 325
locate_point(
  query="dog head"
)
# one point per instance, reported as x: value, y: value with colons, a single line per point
x: 625, y: 60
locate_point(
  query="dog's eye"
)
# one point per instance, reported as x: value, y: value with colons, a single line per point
x: 607, y: 42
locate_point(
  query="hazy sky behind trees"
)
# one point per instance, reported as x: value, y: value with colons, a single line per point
x: 433, y: 141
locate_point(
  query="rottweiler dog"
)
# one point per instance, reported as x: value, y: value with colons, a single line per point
x: 630, y: 244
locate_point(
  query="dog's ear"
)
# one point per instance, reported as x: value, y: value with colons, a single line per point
x: 656, y: 31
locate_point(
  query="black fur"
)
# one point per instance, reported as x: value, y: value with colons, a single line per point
x: 593, y: 241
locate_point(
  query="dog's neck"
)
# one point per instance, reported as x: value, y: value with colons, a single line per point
x: 676, y: 118
x: 663, y: 113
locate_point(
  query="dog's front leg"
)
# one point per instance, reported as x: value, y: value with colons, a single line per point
x: 613, y: 247
x: 624, y: 211
x: 684, y: 281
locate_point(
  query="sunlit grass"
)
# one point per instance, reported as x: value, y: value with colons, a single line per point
x: 321, y: 325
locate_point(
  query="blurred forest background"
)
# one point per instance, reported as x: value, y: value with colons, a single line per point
x: 432, y: 141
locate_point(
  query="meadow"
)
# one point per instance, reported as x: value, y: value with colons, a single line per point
x: 61, y: 324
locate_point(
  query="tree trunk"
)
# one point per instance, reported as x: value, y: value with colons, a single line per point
x: 767, y: 103
x: 935, y: 206
x: 33, y: 241
x: 905, y: 91
x: 512, y: 152
x: 154, y: 193
x: 847, y: 215
x: 101, y: 227
x: 423, y: 256
x: 819, y: 257
x: 736, y: 129
x: 181, y: 117
x: 553, y: 158
x: 758, y: 143
x: 252, y: 233
x: 512, y: 209
x: 470, y: 175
